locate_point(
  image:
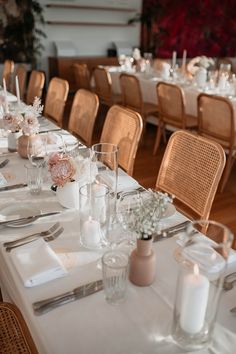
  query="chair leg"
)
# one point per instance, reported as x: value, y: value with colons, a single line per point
x: 158, y: 138
x: 228, y: 167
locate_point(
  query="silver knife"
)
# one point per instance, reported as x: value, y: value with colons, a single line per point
x: 14, y: 186
x: 170, y: 231
x: 36, y: 216
x: 41, y: 307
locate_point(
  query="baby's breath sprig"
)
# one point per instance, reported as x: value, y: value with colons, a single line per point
x: 149, y: 212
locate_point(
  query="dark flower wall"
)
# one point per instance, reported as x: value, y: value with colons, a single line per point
x: 202, y: 27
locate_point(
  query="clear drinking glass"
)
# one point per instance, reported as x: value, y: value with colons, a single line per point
x: 105, y: 157
x: 202, y: 256
x: 34, y: 178
x: 115, y: 270
x: 94, y: 215
x: 36, y: 151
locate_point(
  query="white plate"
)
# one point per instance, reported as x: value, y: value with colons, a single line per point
x: 11, y: 98
x: 19, y: 211
x: 170, y: 211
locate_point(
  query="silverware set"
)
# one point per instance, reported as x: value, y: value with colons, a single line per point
x: 48, y: 235
x: 170, y: 231
x: 41, y: 307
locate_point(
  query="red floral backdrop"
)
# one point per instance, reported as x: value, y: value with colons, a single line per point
x: 202, y: 27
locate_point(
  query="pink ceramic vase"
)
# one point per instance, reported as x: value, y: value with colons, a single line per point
x: 143, y: 263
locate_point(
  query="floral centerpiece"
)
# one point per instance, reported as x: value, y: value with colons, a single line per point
x: 199, y: 62
x: 147, y: 215
x: 62, y: 169
x: 12, y: 121
x: 30, y: 126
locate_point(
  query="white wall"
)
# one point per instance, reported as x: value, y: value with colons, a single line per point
x: 94, y: 40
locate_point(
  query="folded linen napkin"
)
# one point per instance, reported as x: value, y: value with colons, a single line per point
x: 124, y: 181
x: 37, y: 263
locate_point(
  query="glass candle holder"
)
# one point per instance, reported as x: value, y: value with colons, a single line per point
x: 202, y: 258
x: 94, y: 215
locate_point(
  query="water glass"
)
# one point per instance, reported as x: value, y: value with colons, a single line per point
x: 105, y: 157
x: 94, y: 215
x: 203, y: 258
x: 34, y: 178
x: 115, y: 270
x: 36, y: 150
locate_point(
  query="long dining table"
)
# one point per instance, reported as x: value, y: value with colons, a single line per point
x: 139, y: 325
x: 148, y: 82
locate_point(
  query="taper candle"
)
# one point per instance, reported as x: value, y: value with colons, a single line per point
x: 17, y: 89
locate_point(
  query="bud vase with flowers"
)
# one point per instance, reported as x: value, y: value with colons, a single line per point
x: 147, y: 216
x: 12, y: 124
x: 63, y: 169
x: 30, y: 127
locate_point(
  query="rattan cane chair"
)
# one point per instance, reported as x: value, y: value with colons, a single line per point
x: 21, y: 72
x: 172, y: 114
x: 216, y: 121
x: 123, y: 127
x: 15, y: 337
x: 55, y: 101
x: 103, y: 87
x: 82, y: 76
x: 35, y: 86
x: 191, y: 169
x: 83, y: 114
x: 132, y: 98
x: 8, y: 68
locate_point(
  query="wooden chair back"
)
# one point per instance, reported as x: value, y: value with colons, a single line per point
x: 103, y: 86
x: 21, y: 72
x: 131, y: 92
x: 82, y: 76
x: 123, y: 127
x: 216, y: 121
x: 14, y: 334
x: 35, y: 86
x: 191, y: 169
x: 8, y: 68
x: 171, y: 104
x: 83, y: 115
x: 55, y: 101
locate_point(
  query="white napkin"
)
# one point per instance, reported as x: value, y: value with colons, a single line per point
x: 37, y: 263
x: 124, y: 181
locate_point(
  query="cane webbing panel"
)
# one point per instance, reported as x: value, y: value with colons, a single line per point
x: 191, y: 170
x: 123, y: 128
x: 15, y: 337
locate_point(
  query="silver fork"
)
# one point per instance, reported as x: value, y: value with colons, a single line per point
x: 37, y: 234
x: 49, y: 238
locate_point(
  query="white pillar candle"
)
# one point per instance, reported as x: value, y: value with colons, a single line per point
x: 91, y: 232
x: 17, y: 90
x: 195, y: 293
x: 173, y: 59
x: 98, y: 206
x: 184, y: 58
x: 5, y: 93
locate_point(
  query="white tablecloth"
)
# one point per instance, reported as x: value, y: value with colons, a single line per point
x: 140, y: 325
x: 148, y: 87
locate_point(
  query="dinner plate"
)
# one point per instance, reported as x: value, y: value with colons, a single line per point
x: 19, y: 211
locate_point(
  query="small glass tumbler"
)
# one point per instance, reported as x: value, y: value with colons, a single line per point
x: 34, y: 178
x: 203, y: 259
x: 115, y: 270
x: 94, y: 215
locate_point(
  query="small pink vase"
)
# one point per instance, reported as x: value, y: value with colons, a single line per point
x: 142, y: 263
x: 23, y: 144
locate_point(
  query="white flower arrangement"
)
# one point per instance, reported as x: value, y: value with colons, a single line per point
x: 149, y: 212
x: 197, y: 62
x: 30, y: 124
